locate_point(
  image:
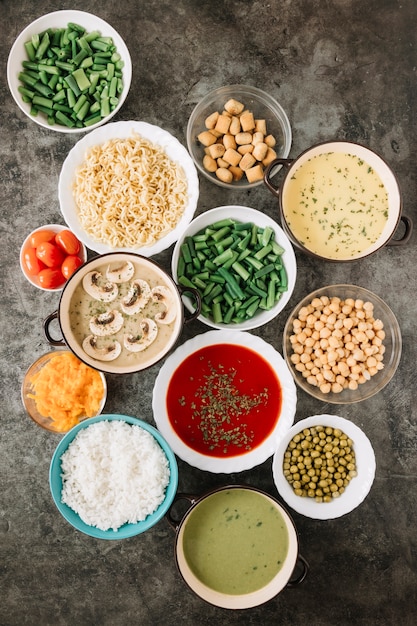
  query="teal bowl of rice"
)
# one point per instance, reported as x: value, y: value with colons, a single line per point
x: 113, y: 476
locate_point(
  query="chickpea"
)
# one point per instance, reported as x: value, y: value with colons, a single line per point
x: 339, y: 343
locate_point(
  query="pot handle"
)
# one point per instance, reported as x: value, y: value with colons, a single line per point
x: 46, y: 322
x: 269, y: 173
x: 190, y: 316
x: 304, y: 568
x: 408, y: 223
x: 173, y: 521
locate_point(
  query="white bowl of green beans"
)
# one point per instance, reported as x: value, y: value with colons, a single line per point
x: 69, y: 71
x: 241, y: 262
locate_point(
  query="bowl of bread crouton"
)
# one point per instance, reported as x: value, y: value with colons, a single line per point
x: 235, y: 132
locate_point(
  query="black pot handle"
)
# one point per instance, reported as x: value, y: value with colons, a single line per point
x: 270, y: 171
x: 408, y: 224
x: 46, y: 323
x: 304, y: 568
x: 189, y: 316
x: 173, y: 521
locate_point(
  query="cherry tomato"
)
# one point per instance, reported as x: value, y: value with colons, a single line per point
x: 70, y: 264
x: 50, y: 254
x: 31, y: 262
x: 50, y: 278
x: 39, y: 236
x: 68, y: 242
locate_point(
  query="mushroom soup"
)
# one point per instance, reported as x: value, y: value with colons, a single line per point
x: 336, y: 205
x: 124, y: 313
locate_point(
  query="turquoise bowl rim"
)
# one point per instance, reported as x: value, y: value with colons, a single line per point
x: 127, y: 530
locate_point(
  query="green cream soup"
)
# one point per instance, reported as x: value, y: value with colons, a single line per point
x: 336, y: 205
x: 235, y: 541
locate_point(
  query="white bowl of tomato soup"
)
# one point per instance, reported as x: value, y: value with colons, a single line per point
x: 224, y: 400
x: 237, y: 547
x: 339, y: 201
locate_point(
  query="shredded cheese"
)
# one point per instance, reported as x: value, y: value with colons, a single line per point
x: 65, y: 389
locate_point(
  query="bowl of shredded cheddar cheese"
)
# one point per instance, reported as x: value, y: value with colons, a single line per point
x: 59, y: 391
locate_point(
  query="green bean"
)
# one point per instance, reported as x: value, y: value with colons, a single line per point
x: 223, y: 257
x: 45, y: 102
x: 60, y: 67
x: 237, y: 267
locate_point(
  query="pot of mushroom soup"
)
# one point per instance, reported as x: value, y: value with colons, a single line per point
x: 120, y: 313
x: 339, y: 201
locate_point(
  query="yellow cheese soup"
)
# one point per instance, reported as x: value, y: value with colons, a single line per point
x: 336, y: 205
x: 235, y: 541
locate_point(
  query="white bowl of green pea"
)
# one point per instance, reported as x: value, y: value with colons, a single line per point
x: 324, y: 466
x: 69, y: 71
x: 241, y: 262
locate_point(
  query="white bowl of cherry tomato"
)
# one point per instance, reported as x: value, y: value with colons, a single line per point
x: 50, y: 255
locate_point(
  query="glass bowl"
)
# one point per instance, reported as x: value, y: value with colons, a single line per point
x: 392, y: 343
x: 261, y: 104
x: 52, y: 422
x: 55, y: 20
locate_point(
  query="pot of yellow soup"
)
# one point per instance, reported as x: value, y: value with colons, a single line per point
x: 236, y: 547
x: 339, y: 201
x: 120, y: 313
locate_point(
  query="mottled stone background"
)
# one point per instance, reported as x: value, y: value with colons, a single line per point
x: 342, y: 69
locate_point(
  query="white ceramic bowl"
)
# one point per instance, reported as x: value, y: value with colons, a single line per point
x: 247, y: 458
x: 60, y: 19
x: 242, y: 214
x: 357, y: 489
x: 260, y: 103
x: 123, y: 130
x: 128, y: 529
x: 26, y: 244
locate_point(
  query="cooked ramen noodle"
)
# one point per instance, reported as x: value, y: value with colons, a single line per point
x: 129, y: 193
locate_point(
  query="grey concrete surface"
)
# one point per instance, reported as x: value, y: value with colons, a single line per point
x: 342, y: 69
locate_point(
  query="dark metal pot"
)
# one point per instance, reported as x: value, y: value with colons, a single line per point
x: 293, y: 570
x: 290, y: 168
x: 142, y: 265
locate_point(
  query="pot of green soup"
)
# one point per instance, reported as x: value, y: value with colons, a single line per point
x: 339, y: 201
x: 236, y: 547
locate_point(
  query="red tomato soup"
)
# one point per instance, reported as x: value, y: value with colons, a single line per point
x: 224, y: 400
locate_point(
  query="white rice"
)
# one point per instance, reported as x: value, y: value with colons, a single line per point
x: 114, y: 473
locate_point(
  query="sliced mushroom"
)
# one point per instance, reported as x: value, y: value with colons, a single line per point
x: 105, y: 293
x: 147, y: 336
x: 164, y: 295
x: 107, y: 353
x: 107, y: 323
x: 121, y: 273
x: 137, y: 297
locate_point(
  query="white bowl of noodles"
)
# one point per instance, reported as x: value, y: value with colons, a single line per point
x: 128, y: 187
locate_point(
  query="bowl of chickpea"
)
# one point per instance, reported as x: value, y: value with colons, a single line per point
x: 342, y: 344
x: 324, y: 466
